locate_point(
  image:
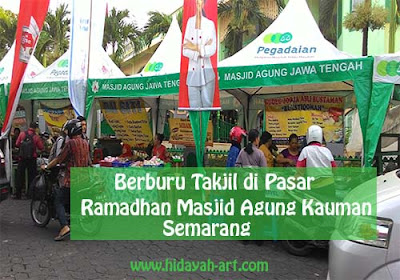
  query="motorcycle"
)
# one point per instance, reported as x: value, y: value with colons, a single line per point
x: 43, y: 207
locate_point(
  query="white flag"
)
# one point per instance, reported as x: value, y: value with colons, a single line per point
x: 79, y: 54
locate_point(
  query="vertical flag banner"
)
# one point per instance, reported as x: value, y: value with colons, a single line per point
x: 79, y: 54
x: 198, y: 90
x: 30, y: 22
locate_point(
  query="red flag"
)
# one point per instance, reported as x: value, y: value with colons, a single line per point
x: 198, y: 88
x: 30, y: 21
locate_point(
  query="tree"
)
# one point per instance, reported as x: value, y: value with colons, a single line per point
x: 54, y: 39
x: 393, y: 23
x: 8, y: 27
x: 366, y: 17
x: 245, y: 18
x: 327, y: 19
x: 157, y: 24
x: 120, y: 35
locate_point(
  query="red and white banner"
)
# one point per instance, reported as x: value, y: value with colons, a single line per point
x: 198, y: 89
x: 30, y: 21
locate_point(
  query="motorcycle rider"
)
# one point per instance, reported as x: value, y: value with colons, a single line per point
x: 74, y: 154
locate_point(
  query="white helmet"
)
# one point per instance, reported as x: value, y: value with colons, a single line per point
x: 314, y: 134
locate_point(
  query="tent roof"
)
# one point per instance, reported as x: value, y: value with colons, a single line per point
x: 288, y: 40
x: 34, y: 67
x: 101, y: 66
x: 166, y: 59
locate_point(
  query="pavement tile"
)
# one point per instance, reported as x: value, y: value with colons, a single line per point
x: 31, y: 252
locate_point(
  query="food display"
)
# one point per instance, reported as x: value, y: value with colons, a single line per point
x: 153, y: 162
x: 124, y: 162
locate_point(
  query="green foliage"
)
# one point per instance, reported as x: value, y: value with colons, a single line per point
x: 54, y: 38
x: 8, y: 27
x: 327, y: 19
x: 120, y: 35
x: 157, y: 24
x: 366, y: 16
x: 245, y: 18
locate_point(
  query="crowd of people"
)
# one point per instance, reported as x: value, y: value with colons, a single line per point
x: 71, y: 149
x: 261, y: 151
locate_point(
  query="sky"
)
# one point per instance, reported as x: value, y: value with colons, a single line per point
x: 137, y: 8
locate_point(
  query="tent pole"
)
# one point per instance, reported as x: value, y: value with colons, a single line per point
x: 158, y: 112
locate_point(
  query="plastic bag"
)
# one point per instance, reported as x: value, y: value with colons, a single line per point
x: 38, y: 187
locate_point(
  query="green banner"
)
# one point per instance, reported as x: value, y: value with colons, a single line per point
x: 199, y: 123
x: 47, y: 90
x: 3, y: 102
x: 223, y: 204
x: 380, y: 98
x: 294, y: 73
x: 239, y: 77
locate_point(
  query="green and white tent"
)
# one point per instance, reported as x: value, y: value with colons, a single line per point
x: 166, y: 59
x: 52, y: 82
x: 34, y: 67
x: 291, y: 56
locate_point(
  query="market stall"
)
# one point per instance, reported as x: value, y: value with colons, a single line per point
x: 289, y: 57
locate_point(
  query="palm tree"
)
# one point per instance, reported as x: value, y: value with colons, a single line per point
x: 327, y: 19
x: 244, y: 17
x: 393, y: 23
x: 120, y: 35
x: 8, y: 27
x: 157, y: 24
x: 53, y: 41
x: 364, y: 18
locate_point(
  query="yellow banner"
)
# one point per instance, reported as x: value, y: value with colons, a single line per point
x: 57, y: 117
x: 128, y: 119
x: 182, y: 133
x: 294, y: 114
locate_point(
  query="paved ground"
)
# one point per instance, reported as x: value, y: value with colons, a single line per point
x: 27, y: 251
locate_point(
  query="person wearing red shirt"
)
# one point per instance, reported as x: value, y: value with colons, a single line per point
x: 27, y: 163
x: 74, y: 154
x: 160, y: 150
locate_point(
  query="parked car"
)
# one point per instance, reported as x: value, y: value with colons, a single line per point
x: 4, y: 183
x: 372, y: 259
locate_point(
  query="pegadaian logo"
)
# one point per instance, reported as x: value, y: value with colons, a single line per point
x: 153, y: 67
x: 283, y: 38
x: 63, y: 63
x: 278, y: 38
x: 388, y: 68
x: 1, y: 70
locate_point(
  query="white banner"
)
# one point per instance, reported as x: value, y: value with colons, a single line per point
x: 387, y: 68
x: 79, y: 54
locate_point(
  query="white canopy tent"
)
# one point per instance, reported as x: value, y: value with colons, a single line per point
x: 6, y: 65
x: 34, y: 67
x: 287, y: 40
x: 291, y: 56
x: 52, y: 82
